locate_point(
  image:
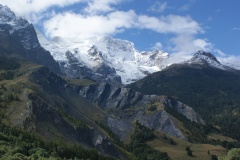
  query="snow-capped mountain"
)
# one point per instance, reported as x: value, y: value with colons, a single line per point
x: 206, y: 58
x: 103, y: 57
x: 21, y: 36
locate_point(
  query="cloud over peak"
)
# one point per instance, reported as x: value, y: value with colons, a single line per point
x: 69, y: 24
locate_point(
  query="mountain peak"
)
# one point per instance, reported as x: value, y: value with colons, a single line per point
x: 204, y: 56
x: 6, y: 14
x: 9, y: 21
x: 206, y: 59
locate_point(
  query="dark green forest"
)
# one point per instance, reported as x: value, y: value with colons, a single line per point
x: 18, y: 144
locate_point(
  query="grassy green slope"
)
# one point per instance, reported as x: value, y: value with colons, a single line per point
x: 177, y: 151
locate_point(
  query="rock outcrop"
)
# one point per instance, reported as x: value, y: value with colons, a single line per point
x: 108, y: 96
x: 19, y: 38
x: 160, y: 121
x: 127, y: 106
x: 183, y: 109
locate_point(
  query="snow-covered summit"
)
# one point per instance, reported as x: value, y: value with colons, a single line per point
x: 117, y: 48
x: 7, y: 17
x: 206, y: 58
x: 19, y: 27
x: 119, y: 55
x: 202, y: 56
x: 6, y: 14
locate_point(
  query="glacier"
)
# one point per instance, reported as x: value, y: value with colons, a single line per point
x: 120, y: 55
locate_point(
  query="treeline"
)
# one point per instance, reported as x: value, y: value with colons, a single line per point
x: 139, y: 147
x: 19, y: 144
x: 226, y: 144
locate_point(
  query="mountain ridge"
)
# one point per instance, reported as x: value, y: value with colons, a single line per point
x: 206, y: 58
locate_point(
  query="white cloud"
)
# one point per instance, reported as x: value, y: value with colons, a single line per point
x: 190, y: 44
x: 36, y: 10
x: 170, y: 24
x: 101, y: 6
x: 158, y: 45
x: 76, y: 25
x: 232, y: 61
x: 26, y: 7
x: 99, y: 18
x: 178, y: 57
x: 219, y: 53
x: 70, y: 24
x: 158, y: 7
x: 183, y: 47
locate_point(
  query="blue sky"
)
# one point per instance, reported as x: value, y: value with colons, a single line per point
x: 175, y: 26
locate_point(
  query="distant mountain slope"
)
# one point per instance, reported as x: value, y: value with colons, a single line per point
x: 211, y: 88
x: 18, y: 38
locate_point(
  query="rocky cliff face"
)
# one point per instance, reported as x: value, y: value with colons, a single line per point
x: 18, y: 37
x: 183, y: 109
x: 111, y: 97
x: 128, y: 106
x: 160, y: 121
x: 121, y: 122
